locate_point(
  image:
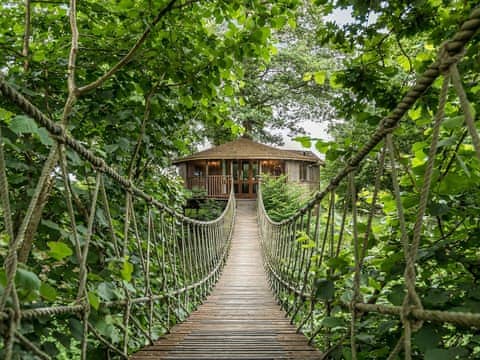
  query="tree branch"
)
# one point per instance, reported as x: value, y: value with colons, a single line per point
x: 26, y: 34
x: 95, y: 84
x: 185, y: 4
x: 72, y: 88
x: 10, y: 50
x: 453, y: 157
x: 73, y: 49
x: 146, y: 116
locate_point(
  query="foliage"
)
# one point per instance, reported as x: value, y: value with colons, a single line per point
x: 381, y: 58
x: 282, y: 199
x: 206, y: 209
x: 283, y: 85
x: 143, y: 79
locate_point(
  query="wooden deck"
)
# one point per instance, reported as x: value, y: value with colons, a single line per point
x: 240, y: 319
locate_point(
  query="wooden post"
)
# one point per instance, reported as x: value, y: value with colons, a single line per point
x: 206, y: 177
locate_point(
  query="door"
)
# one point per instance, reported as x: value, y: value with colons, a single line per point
x: 245, y: 180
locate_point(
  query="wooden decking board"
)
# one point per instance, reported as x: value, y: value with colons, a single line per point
x: 240, y: 319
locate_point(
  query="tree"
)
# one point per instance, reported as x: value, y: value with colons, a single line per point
x: 129, y: 79
x: 381, y: 59
x: 285, y: 84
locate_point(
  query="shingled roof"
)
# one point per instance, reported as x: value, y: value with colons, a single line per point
x: 244, y: 148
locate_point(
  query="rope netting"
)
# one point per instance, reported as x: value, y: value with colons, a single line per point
x: 137, y: 266
x: 305, y: 254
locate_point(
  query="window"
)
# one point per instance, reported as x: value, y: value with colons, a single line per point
x: 273, y: 167
x: 303, y: 171
x: 198, y: 170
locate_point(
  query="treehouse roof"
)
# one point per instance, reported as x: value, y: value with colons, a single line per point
x: 244, y: 148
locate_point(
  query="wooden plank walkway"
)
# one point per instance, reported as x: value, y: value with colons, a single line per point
x: 240, y: 319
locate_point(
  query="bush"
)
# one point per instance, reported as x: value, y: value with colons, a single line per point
x: 282, y: 199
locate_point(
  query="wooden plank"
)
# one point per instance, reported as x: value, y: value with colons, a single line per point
x: 240, y: 319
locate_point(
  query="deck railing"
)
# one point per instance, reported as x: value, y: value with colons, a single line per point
x: 215, y: 186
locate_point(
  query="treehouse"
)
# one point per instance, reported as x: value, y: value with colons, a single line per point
x: 241, y: 163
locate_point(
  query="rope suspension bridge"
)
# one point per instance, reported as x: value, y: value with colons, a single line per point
x: 161, y: 266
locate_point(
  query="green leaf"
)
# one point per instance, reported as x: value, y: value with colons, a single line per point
x: 438, y: 208
x: 229, y: 91
x: 93, y: 300
x: 332, y: 322
x: 51, y: 349
x: 463, y: 166
x: 437, y: 354
x: 292, y: 23
x: 59, y: 250
x: 419, y: 159
x: 27, y: 280
x: 325, y: 289
x: 436, y: 297
x: 453, y: 122
x: 307, y: 76
x: 396, y: 295
x: 126, y: 272
x: 22, y: 124
x: 428, y: 46
x: 415, y: 113
x: 48, y: 292
x: 335, y: 82
x: 76, y: 328
x: 39, y: 56
x: 304, y: 140
x: 322, y: 146
x: 106, y: 291
x: 44, y: 137
x: 447, y: 142
x: 404, y: 63
x: 188, y: 101
x: 426, y: 338
x: 320, y: 77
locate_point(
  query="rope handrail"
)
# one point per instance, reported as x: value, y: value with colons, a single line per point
x: 293, y: 264
x: 59, y: 134
x: 389, y: 122
x: 177, y: 259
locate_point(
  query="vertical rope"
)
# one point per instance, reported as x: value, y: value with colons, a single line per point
x: 14, y: 317
x: 148, y: 288
x: 82, y: 288
x: 315, y: 237
x: 11, y: 261
x: 356, y: 278
x: 108, y: 214
x: 467, y: 111
x: 4, y: 194
x: 127, y: 309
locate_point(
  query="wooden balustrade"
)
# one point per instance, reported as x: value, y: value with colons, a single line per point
x: 215, y: 186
